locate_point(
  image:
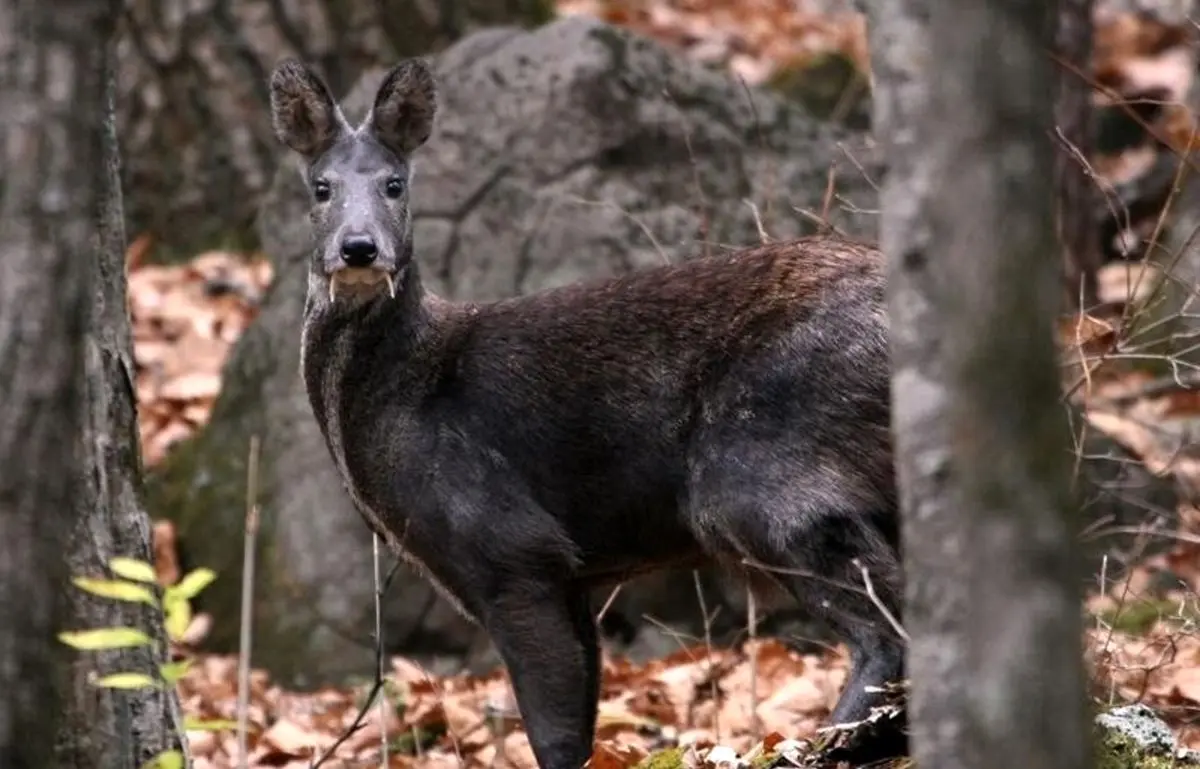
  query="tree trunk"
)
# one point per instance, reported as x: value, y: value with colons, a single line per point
x: 52, y: 89
x: 1078, y: 234
x: 965, y: 101
x: 112, y: 727
x: 193, y: 114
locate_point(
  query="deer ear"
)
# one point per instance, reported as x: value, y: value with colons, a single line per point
x: 402, y: 118
x: 303, y: 112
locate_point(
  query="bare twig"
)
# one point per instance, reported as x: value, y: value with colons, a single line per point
x: 377, y: 684
x: 763, y: 237
x: 752, y: 628
x: 883, y: 609
x: 855, y: 162
x: 706, y: 211
x: 771, y: 170
x: 821, y: 222
x: 747, y: 561
x: 830, y: 188
x: 1119, y: 101
x: 383, y: 735
x: 716, y: 690
x: 684, y: 641
x: 245, y: 635
x: 1103, y: 578
x: 638, y: 222
x: 1160, y: 223
x: 1165, y: 386
x: 608, y: 602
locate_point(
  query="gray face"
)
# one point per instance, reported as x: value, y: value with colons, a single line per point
x: 358, y: 177
x: 360, y: 210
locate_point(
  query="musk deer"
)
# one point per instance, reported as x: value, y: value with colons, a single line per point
x: 521, y: 452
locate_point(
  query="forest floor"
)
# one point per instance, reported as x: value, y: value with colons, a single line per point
x: 1143, y: 643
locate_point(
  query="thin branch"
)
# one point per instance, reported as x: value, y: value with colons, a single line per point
x: 716, y: 690
x: 608, y: 602
x: 383, y: 735
x: 377, y: 684
x: 891, y: 618
x: 752, y: 628
x: 763, y: 237
x: 245, y: 631
x: 1119, y: 101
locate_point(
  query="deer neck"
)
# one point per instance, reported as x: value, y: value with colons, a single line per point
x: 339, y: 334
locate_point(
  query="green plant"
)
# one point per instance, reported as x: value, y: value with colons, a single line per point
x: 135, y: 581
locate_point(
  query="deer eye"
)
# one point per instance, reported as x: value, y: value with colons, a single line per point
x: 394, y: 187
x: 322, y: 191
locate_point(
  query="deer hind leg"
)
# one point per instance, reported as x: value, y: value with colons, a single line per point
x: 814, y: 541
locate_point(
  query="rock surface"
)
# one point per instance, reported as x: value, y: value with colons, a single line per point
x: 570, y: 152
x: 1135, y: 737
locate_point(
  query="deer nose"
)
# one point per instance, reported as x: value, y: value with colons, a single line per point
x: 358, y: 250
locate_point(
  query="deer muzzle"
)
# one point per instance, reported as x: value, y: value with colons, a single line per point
x: 357, y: 278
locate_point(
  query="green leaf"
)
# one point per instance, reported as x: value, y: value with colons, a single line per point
x: 105, y: 638
x: 192, y: 583
x: 125, y: 681
x: 191, y: 723
x: 177, y: 615
x: 115, y: 588
x: 133, y: 568
x: 168, y: 759
x: 173, y: 671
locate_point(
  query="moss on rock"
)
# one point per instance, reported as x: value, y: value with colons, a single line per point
x: 1118, y: 751
x: 1135, y: 737
x: 828, y: 85
x: 668, y: 758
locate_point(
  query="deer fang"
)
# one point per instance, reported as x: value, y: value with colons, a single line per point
x: 332, y: 286
x: 391, y: 284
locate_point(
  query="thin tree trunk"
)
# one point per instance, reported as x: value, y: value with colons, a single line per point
x: 112, y: 728
x: 1078, y: 232
x: 193, y: 114
x: 965, y: 101
x: 52, y: 92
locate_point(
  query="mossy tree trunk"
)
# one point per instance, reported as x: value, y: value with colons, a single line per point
x: 103, y: 728
x: 52, y: 92
x: 192, y: 108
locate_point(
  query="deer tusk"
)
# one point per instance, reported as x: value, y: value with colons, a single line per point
x: 332, y: 286
x: 391, y: 284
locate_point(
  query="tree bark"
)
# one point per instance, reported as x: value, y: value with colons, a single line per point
x: 112, y: 727
x: 1078, y: 233
x: 193, y: 114
x: 52, y: 89
x: 965, y: 101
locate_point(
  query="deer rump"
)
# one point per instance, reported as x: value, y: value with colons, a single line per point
x: 521, y: 451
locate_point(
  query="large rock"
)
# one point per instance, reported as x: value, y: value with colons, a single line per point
x: 570, y: 152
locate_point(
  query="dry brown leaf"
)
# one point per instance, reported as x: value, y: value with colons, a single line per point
x: 613, y: 755
x: 289, y: 737
x: 193, y: 386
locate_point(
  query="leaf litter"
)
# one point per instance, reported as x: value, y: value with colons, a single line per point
x: 187, y: 317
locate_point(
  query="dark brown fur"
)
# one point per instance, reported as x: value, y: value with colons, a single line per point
x: 522, y: 451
